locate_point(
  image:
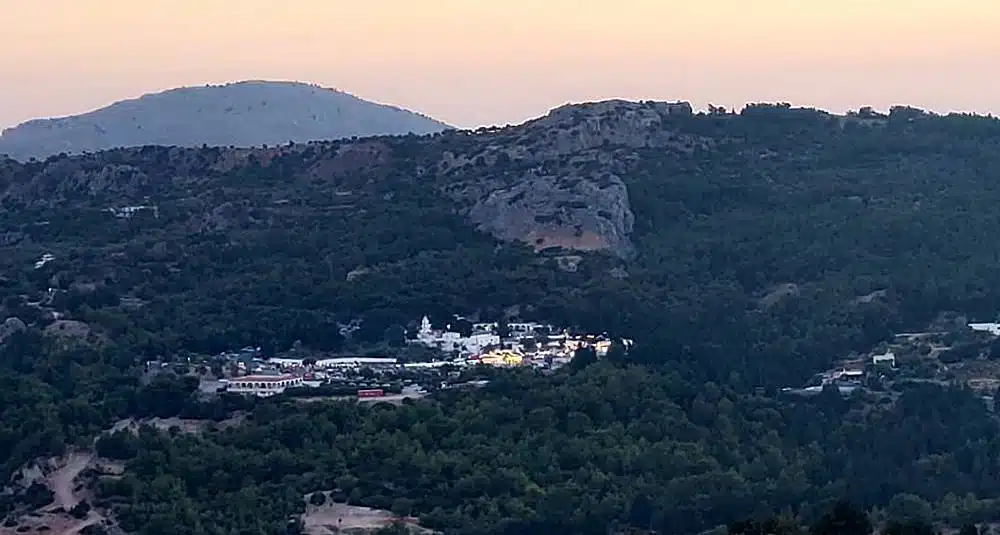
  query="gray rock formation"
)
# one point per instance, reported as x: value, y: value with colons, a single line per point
x: 10, y: 326
x: 242, y: 114
x: 575, y: 212
x: 566, y: 189
x: 557, y: 181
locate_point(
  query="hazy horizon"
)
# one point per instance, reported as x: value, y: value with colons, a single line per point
x: 477, y: 62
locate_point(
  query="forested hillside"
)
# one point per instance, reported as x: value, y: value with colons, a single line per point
x: 742, y: 252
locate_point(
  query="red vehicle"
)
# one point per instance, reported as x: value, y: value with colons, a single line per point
x: 372, y: 393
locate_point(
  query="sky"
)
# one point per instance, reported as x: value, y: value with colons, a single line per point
x: 485, y: 62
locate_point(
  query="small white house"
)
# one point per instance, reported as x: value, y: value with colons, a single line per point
x: 888, y: 358
x: 285, y: 362
x: 992, y: 328
x: 45, y: 259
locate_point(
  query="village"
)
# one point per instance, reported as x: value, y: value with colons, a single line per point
x: 456, y: 356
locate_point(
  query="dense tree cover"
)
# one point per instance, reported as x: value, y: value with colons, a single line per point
x: 792, y: 239
x: 576, y: 452
x: 839, y: 208
x: 844, y: 519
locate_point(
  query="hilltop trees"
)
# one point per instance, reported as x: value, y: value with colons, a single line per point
x: 768, y: 245
x: 577, y: 452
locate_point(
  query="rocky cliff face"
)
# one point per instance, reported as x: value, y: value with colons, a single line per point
x: 574, y: 212
x: 557, y: 181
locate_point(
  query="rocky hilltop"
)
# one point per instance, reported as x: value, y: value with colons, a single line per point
x: 568, y: 191
x: 552, y: 182
x: 242, y: 114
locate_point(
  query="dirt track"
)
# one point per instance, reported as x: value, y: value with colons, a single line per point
x: 63, y: 480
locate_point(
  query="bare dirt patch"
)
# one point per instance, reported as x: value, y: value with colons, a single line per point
x: 63, y: 480
x: 778, y: 292
x: 62, y: 476
x: 184, y: 424
x: 981, y: 375
x: 53, y: 523
x: 69, y: 478
x: 337, y: 518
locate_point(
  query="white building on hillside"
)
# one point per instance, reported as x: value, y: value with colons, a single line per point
x: 355, y: 362
x: 887, y: 358
x: 992, y: 328
x: 519, y: 330
x: 454, y: 342
x: 263, y: 385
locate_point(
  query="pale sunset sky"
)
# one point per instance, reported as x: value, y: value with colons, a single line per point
x: 477, y: 62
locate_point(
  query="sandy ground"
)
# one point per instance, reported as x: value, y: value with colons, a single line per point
x: 68, y: 492
x: 52, y: 524
x: 61, y: 476
x: 326, y: 519
x: 63, y: 481
x: 338, y: 518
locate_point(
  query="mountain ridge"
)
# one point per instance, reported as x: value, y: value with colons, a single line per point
x: 547, y: 182
x: 247, y: 113
x: 744, y: 252
x: 555, y: 181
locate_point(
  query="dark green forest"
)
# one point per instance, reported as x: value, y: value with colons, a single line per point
x: 881, y: 222
x: 575, y: 453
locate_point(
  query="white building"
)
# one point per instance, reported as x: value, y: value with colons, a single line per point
x: 992, y: 328
x: 263, y: 385
x: 288, y: 363
x: 126, y: 212
x: 45, y: 259
x: 887, y: 358
x: 521, y: 330
x: 355, y: 362
x: 454, y: 342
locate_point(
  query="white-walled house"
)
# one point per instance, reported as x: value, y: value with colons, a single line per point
x: 263, y: 385
x: 992, y: 328
x: 886, y: 358
x: 454, y: 342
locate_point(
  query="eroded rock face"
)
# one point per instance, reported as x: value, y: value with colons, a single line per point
x: 69, y: 329
x: 575, y: 212
x: 9, y: 327
x: 566, y: 189
x: 580, y: 127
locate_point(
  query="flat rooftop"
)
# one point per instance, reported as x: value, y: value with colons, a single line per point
x: 263, y: 378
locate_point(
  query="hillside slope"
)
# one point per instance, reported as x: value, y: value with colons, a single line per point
x: 243, y: 114
x: 743, y: 252
x: 770, y: 242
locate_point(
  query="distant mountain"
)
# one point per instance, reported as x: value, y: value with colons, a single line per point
x: 242, y: 114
